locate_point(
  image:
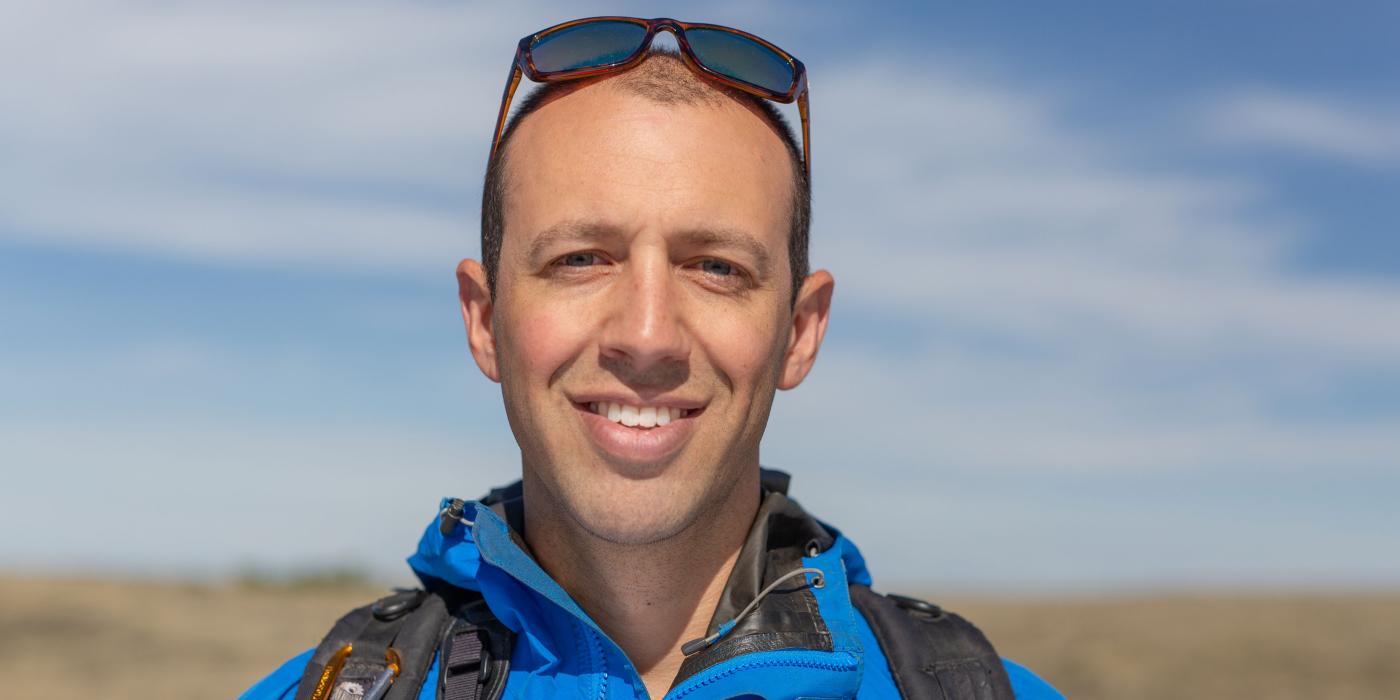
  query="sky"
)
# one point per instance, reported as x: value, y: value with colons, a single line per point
x: 1117, y: 301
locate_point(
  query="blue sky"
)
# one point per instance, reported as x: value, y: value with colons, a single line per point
x: 1118, y: 291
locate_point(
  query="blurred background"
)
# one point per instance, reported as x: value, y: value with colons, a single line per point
x: 1114, y: 364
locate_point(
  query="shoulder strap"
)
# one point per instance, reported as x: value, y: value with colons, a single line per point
x: 357, y: 659
x: 933, y: 653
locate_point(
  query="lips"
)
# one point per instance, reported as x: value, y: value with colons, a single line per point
x: 638, y: 450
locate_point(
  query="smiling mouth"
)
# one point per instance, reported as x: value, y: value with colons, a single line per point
x: 644, y: 417
x: 639, y: 440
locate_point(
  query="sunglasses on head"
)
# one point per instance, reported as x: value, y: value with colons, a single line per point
x: 601, y: 45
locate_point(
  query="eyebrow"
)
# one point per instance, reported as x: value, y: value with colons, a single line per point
x: 732, y: 239
x: 568, y: 232
x: 591, y: 232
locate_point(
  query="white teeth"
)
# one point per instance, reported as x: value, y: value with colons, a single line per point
x: 637, y: 416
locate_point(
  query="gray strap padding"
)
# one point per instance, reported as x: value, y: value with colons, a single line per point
x: 417, y: 643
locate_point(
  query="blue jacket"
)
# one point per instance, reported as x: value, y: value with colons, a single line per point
x: 560, y: 652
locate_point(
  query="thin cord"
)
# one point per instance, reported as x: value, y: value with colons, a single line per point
x: 696, y: 645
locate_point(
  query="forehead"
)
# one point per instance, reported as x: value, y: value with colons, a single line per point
x: 602, y: 154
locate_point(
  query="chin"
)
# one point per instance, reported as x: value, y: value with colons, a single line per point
x: 628, y: 511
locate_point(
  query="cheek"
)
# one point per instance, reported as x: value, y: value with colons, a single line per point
x: 542, y: 339
x: 745, y: 348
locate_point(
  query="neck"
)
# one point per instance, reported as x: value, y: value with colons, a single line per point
x: 649, y: 598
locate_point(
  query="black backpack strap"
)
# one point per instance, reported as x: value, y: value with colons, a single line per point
x: 406, y: 629
x: 475, y: 653
x: 933, y: 654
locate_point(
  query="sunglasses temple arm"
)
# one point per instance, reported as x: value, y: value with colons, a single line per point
x: 802, y: 110
x: 512, y: 82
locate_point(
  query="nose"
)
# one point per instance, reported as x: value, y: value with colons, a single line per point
x: 645, y: 329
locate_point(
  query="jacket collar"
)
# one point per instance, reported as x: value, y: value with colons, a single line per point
x: 490, y: 556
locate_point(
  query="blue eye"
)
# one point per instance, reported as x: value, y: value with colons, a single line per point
x: 717, y: 267
x: 578, y: 259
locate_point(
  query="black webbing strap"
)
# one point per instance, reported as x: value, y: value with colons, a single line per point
x: 475, y: 654
x: 464, y: 659
x: 933, y: 653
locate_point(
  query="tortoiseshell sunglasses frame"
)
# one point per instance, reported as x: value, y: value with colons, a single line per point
x: 524, y: 64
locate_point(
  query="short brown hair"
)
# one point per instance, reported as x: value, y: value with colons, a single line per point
x: 663, y: 77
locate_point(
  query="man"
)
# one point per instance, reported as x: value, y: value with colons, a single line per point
x: 642, y: 294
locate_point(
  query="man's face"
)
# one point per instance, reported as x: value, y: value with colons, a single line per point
x: 642, y: 319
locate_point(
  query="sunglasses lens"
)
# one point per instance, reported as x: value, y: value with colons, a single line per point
x: 741, y: 58
x: 587, y: 45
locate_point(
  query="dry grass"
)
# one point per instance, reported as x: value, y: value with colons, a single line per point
x: 1261, y: 646
x: 106, y: 639
x: 89, y: 639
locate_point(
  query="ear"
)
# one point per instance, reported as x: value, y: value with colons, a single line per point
x: 477, y: 308
x: 809, y: 317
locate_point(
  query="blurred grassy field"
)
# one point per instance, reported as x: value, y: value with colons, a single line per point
x: 63, y: 638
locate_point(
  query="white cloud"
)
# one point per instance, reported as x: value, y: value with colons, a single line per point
x: 1046, y: 232
x: 1059, y: 310
x: 1307, y: 124
x: 238, y: 132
